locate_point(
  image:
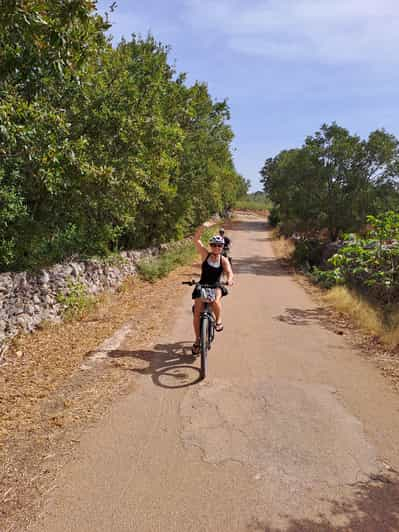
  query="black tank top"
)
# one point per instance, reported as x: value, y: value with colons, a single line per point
x: 210, y: 274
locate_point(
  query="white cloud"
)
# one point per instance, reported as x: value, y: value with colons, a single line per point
x: 333, y: 31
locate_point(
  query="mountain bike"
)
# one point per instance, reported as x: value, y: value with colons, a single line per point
x: 207, y: 321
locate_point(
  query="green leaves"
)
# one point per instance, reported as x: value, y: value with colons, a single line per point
x: 47, y: 43
x: 385, y: 226
x: 334, y: 180
x: 101, y: 148
x: 372, y: 264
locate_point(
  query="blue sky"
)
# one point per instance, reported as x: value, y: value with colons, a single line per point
x: 285, y: 66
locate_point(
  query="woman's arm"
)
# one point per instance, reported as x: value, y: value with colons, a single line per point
x: 202, y: 250
x: 228, y: 272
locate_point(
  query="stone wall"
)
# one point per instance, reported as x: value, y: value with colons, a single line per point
x: 26, y: 299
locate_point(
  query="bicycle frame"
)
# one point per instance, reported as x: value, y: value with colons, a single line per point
x: 207, y: 327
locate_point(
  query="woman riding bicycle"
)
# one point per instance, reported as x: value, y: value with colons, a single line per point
x: 214, y: 265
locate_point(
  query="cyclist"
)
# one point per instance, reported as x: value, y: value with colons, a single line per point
x: 227, y: 244
x: 214, y: 265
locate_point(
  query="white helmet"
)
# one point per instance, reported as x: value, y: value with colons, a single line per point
x: 217, y: 239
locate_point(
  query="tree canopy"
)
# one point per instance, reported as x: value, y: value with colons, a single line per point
x: 101, y: 148
x: 334, y: 180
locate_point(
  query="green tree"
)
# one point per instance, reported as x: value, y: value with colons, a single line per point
x: 46, y: 44
x: 334, y: 180
x: 101, y: 148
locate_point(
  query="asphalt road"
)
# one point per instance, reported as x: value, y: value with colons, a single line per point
x: 292, y: 430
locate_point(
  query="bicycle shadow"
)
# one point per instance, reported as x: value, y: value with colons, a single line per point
x: 169, y: 365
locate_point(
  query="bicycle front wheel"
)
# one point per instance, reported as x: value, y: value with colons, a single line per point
x: 204, y: 346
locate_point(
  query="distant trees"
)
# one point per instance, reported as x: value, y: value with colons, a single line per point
x: 334, y: 180
x: 101, y: 148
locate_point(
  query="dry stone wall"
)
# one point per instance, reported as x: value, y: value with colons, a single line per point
x: 27, y: 299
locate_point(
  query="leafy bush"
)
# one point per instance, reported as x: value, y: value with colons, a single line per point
x: 256, y: 201
x: 155, y: 268
x: 327, y: 278
x: 307, y: 252
x: 274, y: 216
x: 370, y: 264
x: 76, y: 301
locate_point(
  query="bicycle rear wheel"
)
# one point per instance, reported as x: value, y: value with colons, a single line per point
x: 204, y: 346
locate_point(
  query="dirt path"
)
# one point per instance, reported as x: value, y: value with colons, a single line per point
x: 291, y: 431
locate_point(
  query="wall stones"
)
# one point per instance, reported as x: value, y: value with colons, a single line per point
x: 26, y: 299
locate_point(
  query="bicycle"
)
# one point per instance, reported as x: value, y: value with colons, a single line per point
x: 207, y: 324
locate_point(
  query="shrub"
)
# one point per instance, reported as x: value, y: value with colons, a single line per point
x: 274, y: 216
x: 76, y: 301
x: 327, y: 278
x: 257, y: 201
x: 157, y: 267
x: 371, y: 264
x: 308, y: 252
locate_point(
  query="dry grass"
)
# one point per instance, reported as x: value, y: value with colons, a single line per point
x: 364, y: 315
x: 391, y: 337
x: 283, y: 247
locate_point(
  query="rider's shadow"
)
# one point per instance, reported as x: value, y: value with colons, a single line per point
x: 169, y: 365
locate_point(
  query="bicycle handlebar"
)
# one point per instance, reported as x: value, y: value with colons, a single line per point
x: 193, y: 282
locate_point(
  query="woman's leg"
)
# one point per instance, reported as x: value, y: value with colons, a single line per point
x: 217, y: 306
x: 198, y: 306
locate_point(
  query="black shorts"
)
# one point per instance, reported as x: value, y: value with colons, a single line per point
x: 197, y: 293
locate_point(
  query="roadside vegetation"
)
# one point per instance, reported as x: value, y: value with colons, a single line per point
x: 255, y: 201
x: 76, y: 302
x: 336, y: 200
x: 102, y: 148
x: 365, y: 314
x: 182, y: 253
x: 158, y: 267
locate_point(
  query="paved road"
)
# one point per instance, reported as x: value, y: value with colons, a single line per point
x: 292, y: 430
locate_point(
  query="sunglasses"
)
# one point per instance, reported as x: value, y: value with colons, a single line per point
x: 216, y: 245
